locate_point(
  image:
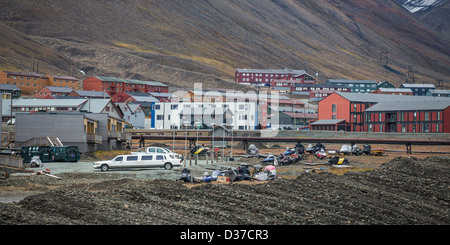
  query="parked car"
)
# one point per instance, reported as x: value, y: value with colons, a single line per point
x: 139, y: 161
x: 153, y: 150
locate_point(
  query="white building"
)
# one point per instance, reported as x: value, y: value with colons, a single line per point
x: 239, y: 115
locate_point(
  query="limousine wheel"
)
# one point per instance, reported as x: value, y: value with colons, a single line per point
x: 104, y: 167
x: 168, y: 166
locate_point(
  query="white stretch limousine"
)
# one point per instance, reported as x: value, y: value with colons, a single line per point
x: 139, y: 161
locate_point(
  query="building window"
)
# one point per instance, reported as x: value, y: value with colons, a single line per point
x: 333, y: 107
x: 427, y: 116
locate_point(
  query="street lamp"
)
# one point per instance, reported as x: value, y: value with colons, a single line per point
x: 223, y: 141
x: 231, y: 145
x: 212, y: 125
x: 173, y: 144
x: 197, y: 125
x: 185, y: 124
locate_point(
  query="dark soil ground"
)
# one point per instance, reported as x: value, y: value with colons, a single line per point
x: 401, y: 191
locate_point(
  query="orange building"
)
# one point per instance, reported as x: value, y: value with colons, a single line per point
x: 30, y: 83
x: 63, y: 81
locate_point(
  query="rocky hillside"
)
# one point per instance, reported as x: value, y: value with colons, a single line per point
x: 181, y: 42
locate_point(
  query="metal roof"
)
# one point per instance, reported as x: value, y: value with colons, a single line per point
x: 375, y: 98
x: 57, y: 89
x: 9, y: 87
x: 87, y: 93
x: 25, y: 74
x: 327, y: 121
x: 48, y: 102
x: 398, y: 90
x: 115, y: 79
x: 439, y: 91
x: 351, y: 81
x: 417, y: 105
x: 414, y: 85
x: 63, y: 77
x: 95, y: 105
x: 273, y: 71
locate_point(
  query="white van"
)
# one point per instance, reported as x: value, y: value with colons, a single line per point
x: 139, y: 161
x: 154, y: 150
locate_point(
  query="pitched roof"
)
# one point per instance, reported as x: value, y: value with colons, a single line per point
x: 327, y: 121
x: 397, y: 90
x: 277, y: 71
x: 25, y: 74
x: 115, y: 79
x: 416, y: 85
x: 87, y: 93
x: 439, y: 91
x: 48, y: 102
x: 63, y: 77
x: 351, y: 81
x: 57, y: 89
x: 9, y: 87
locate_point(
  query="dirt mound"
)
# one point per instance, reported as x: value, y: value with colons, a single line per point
x: 401, y: 191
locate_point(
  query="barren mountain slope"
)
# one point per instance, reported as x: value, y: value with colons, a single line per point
x: 181, y: 41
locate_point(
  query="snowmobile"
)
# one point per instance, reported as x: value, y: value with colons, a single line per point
x: 36, y: 162
x: 310, y: 149
x: 356, y: 150
x: 185, y: 175
x: 242, y: 172
x: 321, y: 154
x: 300, y: 148
x: 269, y: 159
x: 288, y: 152
x: 367, y: 149
x: 346, y: 150
x: 271, y: 172
x: 318, y: 147
x: 199, y: 150
x: 290, y: 159
x: 338, y: 161
x: 252, y: 150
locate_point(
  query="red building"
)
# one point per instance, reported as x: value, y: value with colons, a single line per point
x: 129, y: 97
x: 383, y: 113
x: 50, y: 92
x: 247, y: 76
x: 112, y: 85
x: 397, y: 91
x: 419, y: 116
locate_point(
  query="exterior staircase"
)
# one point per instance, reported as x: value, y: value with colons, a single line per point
x: 42, y: 141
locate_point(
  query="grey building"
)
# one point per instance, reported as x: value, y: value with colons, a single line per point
x: 418, y: 89
x: 133, y: 113
x: 88, y: 131
x: 356, y: 86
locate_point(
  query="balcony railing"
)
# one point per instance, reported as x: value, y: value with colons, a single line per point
x: 94, y: 139
x: 126, y: 137
x: 114, y: 135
